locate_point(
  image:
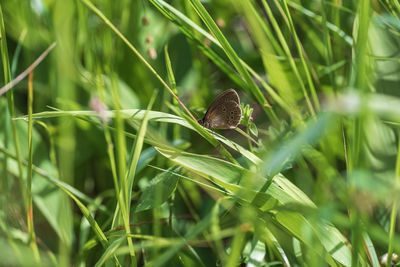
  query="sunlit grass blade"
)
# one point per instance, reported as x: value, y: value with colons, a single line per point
x: 137, y: 149
x: 273, y: 67
x: 226, y: 46
x: 370, y: 250
x: 306, y: 67
x: 301, y: 52
x: 156, y: 116
x: 127, y: 185
x: 187, y: 27
x: 277, y: 246
x: 135, y: 51
x: 245, y: 185
x: 121, y: 214
x: 171, y: 78
x: 109, y: 252
x: 333, y: 27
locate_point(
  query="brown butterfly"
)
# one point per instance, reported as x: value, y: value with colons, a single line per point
x: 224, y: 112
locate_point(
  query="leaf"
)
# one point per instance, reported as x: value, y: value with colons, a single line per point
x: 163, y: 185
x: 253, y: 129
x: 194, y: 231
x: 245, y: 186
x: 110, y: 251
x: 255, y: 252
x: 251, y: 87
x: 285, y: 153
x: 156, y: 116
x: 43, y: 202
x: 17, y: 254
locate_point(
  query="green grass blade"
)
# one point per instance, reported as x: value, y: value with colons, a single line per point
x: 42, y: 173
x: 110, y: 251
x: 10, y: 104
x: 245, y: 185
x: 237, y: 246
x: 302, y: 58
x: 333, y: 27
x: 187, y: 27
x: 124, y: 194
x: 31, y: 228
x: 191, y: 233
x: 328, y: 45
x: 171, y: 78
x: 156, y: 116
x: 95, y: 227
x: 393, y: 214
x: 74, y: 194
x: 371, y: 252
x: 135, y: 51
x: 226, y: 46
x: 136, y: 150
x: 291, y: 149
x: 273, y: 67
x: 164, y: 184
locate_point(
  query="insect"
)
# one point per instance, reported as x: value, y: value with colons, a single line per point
x: 224, y: 112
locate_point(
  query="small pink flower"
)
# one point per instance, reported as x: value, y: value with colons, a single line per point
x: 152, y: 53
x: 100, y: 108
x: 221, y: 23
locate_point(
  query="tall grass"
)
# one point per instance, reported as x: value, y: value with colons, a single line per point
x: 102, y: 161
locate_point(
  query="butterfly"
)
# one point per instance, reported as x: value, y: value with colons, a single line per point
x: 224, y: 112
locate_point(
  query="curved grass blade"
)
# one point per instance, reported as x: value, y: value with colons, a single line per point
x: 90, y: 5
x: 155, y: 116
x: 185, y: 25
x: 164, y: 184
x: 348, y: 39
x: 74, y: 194
x: 245, y: 185
x: 110, y: 251
x: 245, y: 81
x: 233, y: 57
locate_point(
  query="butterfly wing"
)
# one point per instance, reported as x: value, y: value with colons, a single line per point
x: 226, y: 96
x: 226, y: 116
